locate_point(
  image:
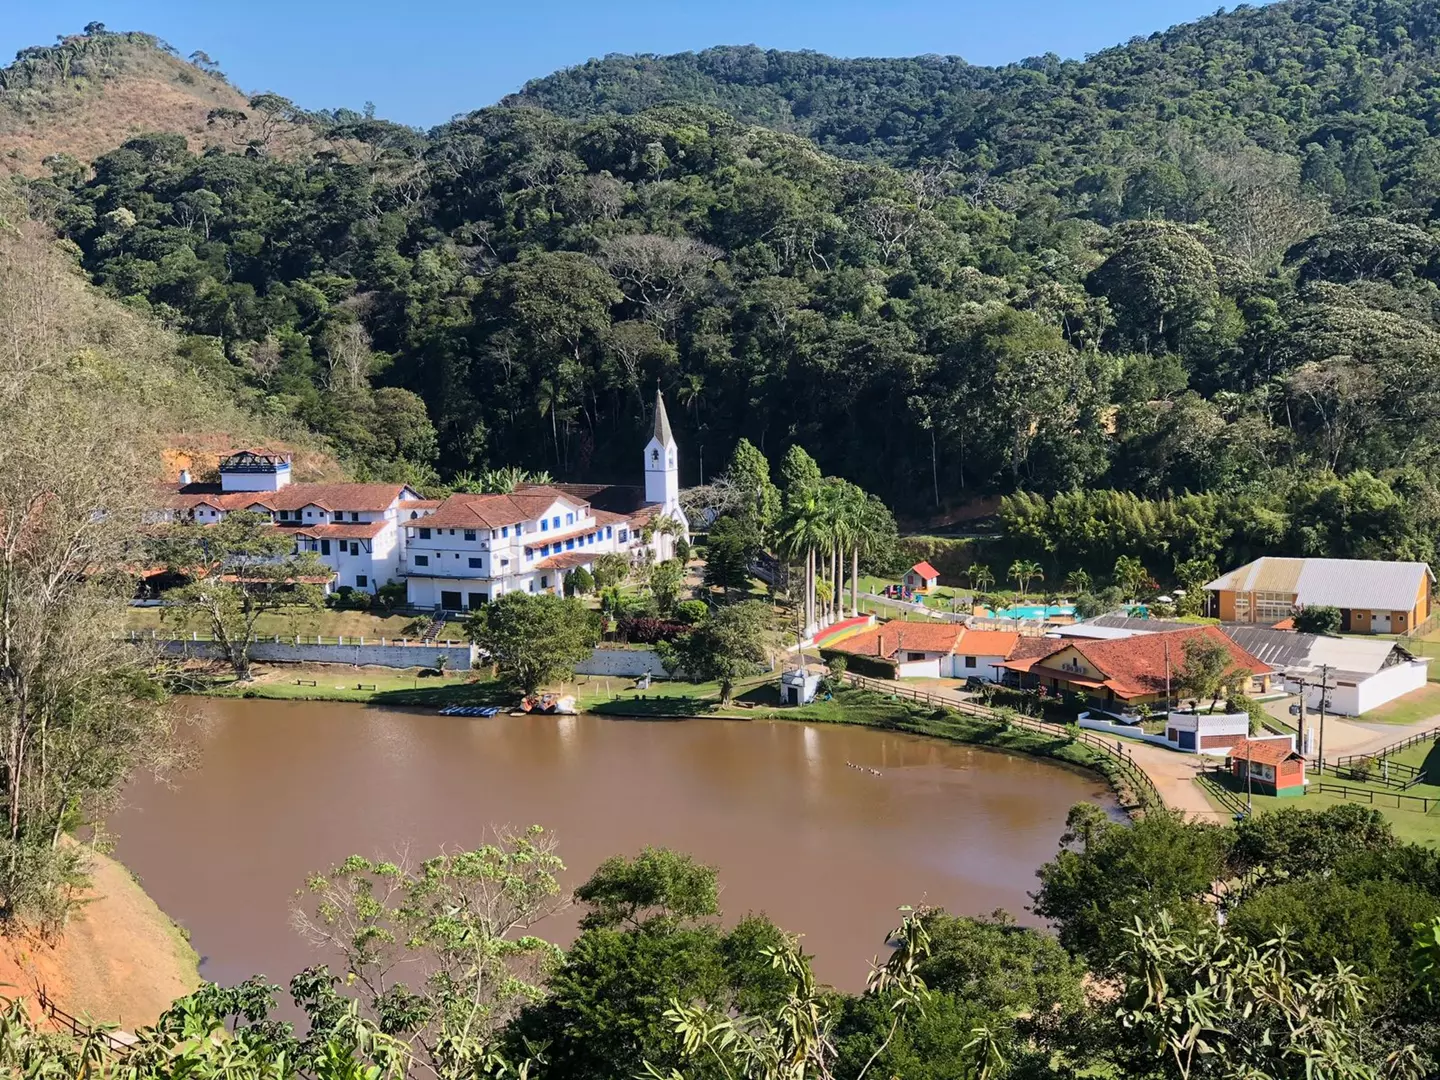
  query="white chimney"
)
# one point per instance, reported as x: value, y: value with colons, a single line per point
x: 184, y: 477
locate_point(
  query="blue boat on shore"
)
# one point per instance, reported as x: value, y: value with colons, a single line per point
x: 470, y: 710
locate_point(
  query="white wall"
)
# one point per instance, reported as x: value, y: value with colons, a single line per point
x: 919, y: 669
x: 984, y: 666
x: 1386, y: 685
x: 622, y: 663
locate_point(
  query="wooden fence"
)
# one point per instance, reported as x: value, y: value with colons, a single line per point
x: 1419, y: 803
x: 1432, y: 735
x: 75, y: 1026
x: 1146, y: 793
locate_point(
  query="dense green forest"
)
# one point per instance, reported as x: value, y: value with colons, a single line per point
x: 1201, y: 262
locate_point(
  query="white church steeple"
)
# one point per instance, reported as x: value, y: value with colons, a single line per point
x: 662, y: 462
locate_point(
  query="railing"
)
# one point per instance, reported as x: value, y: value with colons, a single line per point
x: 1146, y: 793
x: 62, y: 1019
x: 1432, y: 735
x: 1390, y: 774
x: 1424, y: 802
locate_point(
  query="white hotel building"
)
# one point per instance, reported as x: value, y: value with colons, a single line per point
x: 474, y: 548
x: 456, y: 554
x: 353, y: 528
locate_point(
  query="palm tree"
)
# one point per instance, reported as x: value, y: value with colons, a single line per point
x: 1078, y: 581
x: 1024, y: 571
x: 981, y: 577
x: 689, y: 392
x: 1131, y: 575
x: 859, y: 522
x: 802, y: 534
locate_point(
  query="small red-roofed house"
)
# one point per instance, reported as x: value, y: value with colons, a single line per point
x: 922, y: 577
x: 1274, y: 766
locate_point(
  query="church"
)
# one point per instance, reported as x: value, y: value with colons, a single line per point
x: 474, y: 548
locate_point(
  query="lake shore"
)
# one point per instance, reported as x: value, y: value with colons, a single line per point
x: 121, y: 959
x: 755, y: 699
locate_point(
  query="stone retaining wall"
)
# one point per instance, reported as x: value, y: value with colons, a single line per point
x: 370, y: 654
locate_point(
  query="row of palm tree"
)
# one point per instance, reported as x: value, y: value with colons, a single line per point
x: 829, y: 522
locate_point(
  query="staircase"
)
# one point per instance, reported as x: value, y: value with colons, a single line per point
x: 431, y: 633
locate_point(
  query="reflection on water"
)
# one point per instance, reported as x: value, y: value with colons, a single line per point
x: 823, y: 848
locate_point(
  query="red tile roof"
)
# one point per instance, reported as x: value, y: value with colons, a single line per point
x: 1029, y: 651
x: 1135, y: 666
x: 887, y: 640
x: 1265, y: 751
x: 567, y: 560
x: 988, y: 642
x: 355, y: 530
x: 359, y: 497
x: 925, y: 570
x: 462, y: 511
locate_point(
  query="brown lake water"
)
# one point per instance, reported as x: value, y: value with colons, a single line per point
x: 827, y: 850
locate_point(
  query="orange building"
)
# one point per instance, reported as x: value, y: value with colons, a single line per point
x: 1374, y: 597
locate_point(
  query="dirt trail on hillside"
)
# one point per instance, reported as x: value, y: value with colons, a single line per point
x: 120, y: 960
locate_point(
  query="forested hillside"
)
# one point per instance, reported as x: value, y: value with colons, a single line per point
x: 1231, y: 318
x: 1347, y: 87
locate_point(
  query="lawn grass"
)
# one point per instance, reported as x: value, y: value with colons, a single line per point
x: 287, y: 622
x: 1409, y: 825
x: 1410, y: 708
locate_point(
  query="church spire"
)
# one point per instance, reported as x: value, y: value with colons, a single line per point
x: 662, y: 422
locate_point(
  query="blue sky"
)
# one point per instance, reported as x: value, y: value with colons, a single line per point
x: 422, y: 61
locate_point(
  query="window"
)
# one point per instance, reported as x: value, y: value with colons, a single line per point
x: 452, y: 532
x: 504, y: 530
x: 609, y: 531
x: 469, y: 534
x: 569, y: 545
x: 544, y: 582
x: 422, y: 560
x: 414, y: 514
x: 544, y: 525
x: 1273, y: 606
x: 474, y: 564
x: 970, y: 661
x: 504, y: 562
x: 354, y: 516
x: 914, y: 656
x: 324, y: 547
x: 361, y: 581
x: 569, y: 519
x: 622, y: 536
x: 355, y: 548
x: 529, y: 553
x: 519, y: 529
x: 531, y: 584
x: 555, y: 521
x: 309, y: 513
x: 424, y: 534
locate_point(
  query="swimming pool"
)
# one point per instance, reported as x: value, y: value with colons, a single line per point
x: 1034, y: 611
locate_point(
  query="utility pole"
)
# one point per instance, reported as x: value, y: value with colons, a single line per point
x: 1169, y: 703
x: 1325, y: 686
x: 1324, y: 700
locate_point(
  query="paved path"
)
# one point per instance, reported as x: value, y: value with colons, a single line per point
x: 1173, y: 774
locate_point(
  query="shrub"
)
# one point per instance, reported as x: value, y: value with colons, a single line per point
x: 692, y: 611
x: 648, y: 629
x: 347, y: 599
